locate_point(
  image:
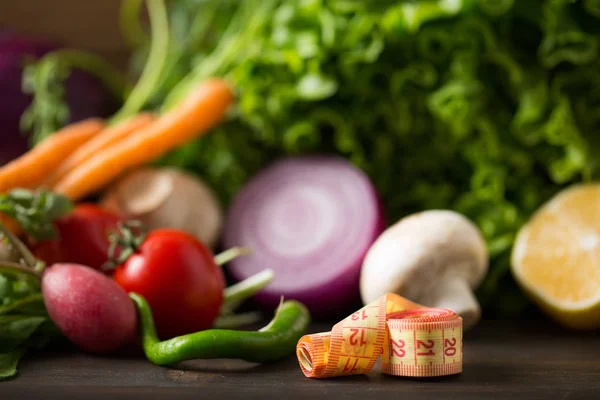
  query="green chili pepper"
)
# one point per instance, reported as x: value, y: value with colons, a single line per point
x: 273, y: 342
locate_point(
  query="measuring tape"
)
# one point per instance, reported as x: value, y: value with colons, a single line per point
x: 412, y: 340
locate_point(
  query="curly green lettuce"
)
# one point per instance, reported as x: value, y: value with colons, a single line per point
x: 487, y: 107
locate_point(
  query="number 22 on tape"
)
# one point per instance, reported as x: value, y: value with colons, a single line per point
x: 412, y: 340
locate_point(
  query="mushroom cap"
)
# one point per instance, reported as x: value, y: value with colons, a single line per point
x: 168, y: 198
x: 413, y: 255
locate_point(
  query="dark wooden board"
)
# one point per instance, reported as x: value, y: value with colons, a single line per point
x: 533, y: 360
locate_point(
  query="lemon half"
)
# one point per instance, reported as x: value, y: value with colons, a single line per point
x: 556, y: 257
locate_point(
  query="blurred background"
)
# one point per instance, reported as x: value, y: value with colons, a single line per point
x: 488, y: 108
x: 92, y: 26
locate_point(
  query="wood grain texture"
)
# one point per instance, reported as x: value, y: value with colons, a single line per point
x: 533, y: 360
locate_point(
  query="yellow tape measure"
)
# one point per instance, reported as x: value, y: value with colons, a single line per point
x: 412, y: 340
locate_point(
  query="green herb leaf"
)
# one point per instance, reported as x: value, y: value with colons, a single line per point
x: 48, y: 111
x: 35, y: 211
x: 316, y: 87
x: 44, y: 80
x: 32, y: 304
x: 8, y: 363
x: 16, y: 329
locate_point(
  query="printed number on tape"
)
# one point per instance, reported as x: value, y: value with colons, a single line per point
x: 412, y: 340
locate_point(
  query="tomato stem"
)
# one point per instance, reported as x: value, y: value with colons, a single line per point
x: 231, y: 254
x: 125, y: 242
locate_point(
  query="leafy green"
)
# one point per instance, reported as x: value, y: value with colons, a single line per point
x: 24, y: 321
x: 48, y: 111
x: 35, y: 211
x: 487, y: 107
x: 14, y: 330
x: 8, y: 363
x: 44, y: 80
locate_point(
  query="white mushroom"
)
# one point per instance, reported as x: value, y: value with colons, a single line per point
x: 434, y: 258
x: 168, y: 198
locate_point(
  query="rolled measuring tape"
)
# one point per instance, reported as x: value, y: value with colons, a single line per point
x: 412, y: 340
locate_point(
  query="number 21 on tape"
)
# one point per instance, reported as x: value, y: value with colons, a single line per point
x: 423, y: 348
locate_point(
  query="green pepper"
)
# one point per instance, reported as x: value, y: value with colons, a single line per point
x: 276, y: 340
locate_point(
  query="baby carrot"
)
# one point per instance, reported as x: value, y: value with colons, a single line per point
x: 198, y: 113
x: 10, y: 224
x: 104, y: 139
x: 33, y: 167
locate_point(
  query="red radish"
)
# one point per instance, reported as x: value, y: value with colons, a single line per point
x: 88, y: 307
x: 311, y: 219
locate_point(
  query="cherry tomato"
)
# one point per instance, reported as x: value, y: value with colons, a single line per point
x: 178, y: 277
x: 83, y: 237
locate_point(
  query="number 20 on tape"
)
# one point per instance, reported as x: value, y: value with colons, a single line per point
x: 412, y: 341
x: 425, y: 349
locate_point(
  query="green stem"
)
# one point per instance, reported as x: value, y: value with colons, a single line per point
x: 236, y: 294
x: 8, y: 267
x: 199, y: 27
x: 114, y: 80
x: 129, y: 21
x: 592, y: 7
x: 247, y: 20
x: 152, y: 72
x: 27, y: 300
x: 12, y: 318
x: 203, y: 20
x: 16, y: 244
x: 231, y: 254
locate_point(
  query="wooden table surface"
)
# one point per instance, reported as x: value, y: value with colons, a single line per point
x: 533, y: 360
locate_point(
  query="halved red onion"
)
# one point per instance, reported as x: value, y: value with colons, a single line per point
x: 311, y: 219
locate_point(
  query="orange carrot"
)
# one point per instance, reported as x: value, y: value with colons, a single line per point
x: 104, y: 139
x: 199, y: 112
x: 10, y: 224
x: 33, y: 167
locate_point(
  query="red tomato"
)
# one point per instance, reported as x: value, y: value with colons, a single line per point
x: 83, y: 237
x: 180, y: 280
